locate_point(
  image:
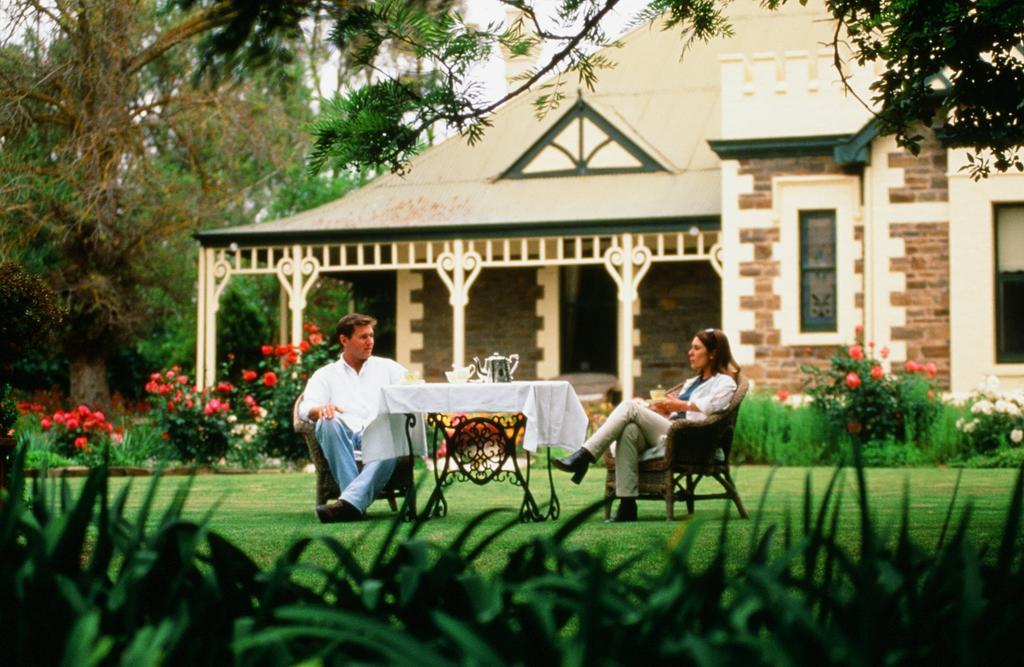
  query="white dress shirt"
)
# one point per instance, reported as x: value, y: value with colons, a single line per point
x: 711, y: 396
x: 356, y: 393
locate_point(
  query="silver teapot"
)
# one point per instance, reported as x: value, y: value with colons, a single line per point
x: 497, y: 368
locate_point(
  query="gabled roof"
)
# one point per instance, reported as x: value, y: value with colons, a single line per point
x: 658, y: 100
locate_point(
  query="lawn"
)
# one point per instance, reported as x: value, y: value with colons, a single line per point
x: 265, y: 513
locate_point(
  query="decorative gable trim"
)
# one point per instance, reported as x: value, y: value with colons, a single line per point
x: 581, y: 143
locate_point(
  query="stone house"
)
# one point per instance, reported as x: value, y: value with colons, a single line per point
x: 737, y: 184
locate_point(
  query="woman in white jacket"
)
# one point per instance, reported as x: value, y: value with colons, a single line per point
x: 637, y: 427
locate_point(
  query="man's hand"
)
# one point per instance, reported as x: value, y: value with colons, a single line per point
x: 324, y: 412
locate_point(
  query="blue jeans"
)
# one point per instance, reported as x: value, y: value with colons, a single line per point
x: 340, y: 443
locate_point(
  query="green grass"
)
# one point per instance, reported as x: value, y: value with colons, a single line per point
x: 265, y: 513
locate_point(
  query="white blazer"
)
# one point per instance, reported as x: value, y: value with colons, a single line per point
x: 713, y: 395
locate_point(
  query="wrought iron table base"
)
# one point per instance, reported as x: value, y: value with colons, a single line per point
x: 480, y: 448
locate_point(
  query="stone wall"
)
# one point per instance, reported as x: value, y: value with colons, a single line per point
x: 926, y: 299
x: 776, y: 366
x: 924, y: 175
x: 501, y: 317
x: 436, y: 327
x: 676, y: 300
x: 764, y: 169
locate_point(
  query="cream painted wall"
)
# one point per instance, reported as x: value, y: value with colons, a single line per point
x: 790, y: 195
x: 405, y: 312
x: 972, y: 275
x: 548, y: 336
x: 735, y: 286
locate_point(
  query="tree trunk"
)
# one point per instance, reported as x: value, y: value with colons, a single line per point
x: 89, y: 383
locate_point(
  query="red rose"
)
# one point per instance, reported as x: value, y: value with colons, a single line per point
x: 45, y: 423
x: 859, y: 328
x: 291, y: 358
x: 316, y: 338
x: 267, y: 350
x: 852, y: 380
x: 182, y: 379
x: 912, y: 366
x: 282, y: 350
x: 884, y: 353
x: 782, y: 394
x: 270, y: 378
x: 72, y: 423
x: 225, y: 387
x: 156, y: 377
x: 856, y: 352
x: 81, y: 442
x: 877, y: 373
x: 248, y: 376
x: 931, y: 369
x: 304, y: 346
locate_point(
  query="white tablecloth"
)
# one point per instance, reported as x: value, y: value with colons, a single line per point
x: 554, y: 416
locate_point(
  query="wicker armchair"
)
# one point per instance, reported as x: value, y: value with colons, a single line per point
x: 327, y: 488
x: 689, y: 457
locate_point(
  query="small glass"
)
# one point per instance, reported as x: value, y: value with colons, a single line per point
x: 658, y: 394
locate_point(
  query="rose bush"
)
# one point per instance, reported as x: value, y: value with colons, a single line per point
x: 276, y: 383
x: 996, y: 419
x: 79, y: 433
x: 858, y: 395
x: 197, y: 423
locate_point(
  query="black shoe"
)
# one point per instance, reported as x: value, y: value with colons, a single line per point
x: 578, y: 463
x: 338, y: 512
x: 626, y: 511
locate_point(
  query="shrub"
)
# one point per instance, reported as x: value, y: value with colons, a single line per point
x: 31, y: 313
x: 278, y: 380
x: 8, y: 411
x: 996, y: 419
x: 774, y: 430
x: 83, y: 583
x: 197, y: 423
x: 79, y: 432
x: 857, y: 395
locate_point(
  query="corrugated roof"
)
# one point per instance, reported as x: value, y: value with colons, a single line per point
x: 665, y: 101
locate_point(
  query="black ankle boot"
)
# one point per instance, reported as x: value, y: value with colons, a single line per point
x: 626, y: 511
x: 578, y: 463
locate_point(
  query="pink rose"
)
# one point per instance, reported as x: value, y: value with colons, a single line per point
x: 81, y: 442
x: 856, y: 352
x: 884, y: 353
x: 45, y: 423
x: 931, y: 369
x: 852, y: 380
x: 877, y: 373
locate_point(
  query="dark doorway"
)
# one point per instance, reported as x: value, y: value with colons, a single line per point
x: 589, y: 331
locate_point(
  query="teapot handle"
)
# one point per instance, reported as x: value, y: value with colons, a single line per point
x: 514, y: 358
x: 478, y: 368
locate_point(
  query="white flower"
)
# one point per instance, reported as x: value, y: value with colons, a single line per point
x: 1012, y: 409
x: 969, y: 426
x: 1001, y: 406
x: 232, y: 419
x: 982, y: 407
x: 992, y: 383
x: 960, y: 424
x: 1017, y: 436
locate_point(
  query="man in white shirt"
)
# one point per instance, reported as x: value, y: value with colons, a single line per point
x: 341, y: 399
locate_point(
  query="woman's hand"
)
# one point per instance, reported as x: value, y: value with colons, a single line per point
x: 669, y: 405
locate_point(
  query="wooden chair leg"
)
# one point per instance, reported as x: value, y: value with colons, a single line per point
x: 691, y: 488
x: 670, y: 496
x: 392, y: 503
x: 730, y: 487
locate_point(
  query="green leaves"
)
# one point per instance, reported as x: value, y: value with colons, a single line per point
x: 81, y: 583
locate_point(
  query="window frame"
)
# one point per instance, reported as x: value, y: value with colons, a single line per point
x: 807, y: 326
x: 1002, y: 357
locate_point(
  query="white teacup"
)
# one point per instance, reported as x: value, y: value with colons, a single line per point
x: 458, y: 375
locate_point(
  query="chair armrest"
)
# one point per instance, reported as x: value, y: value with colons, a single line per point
x: 694, y: 441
